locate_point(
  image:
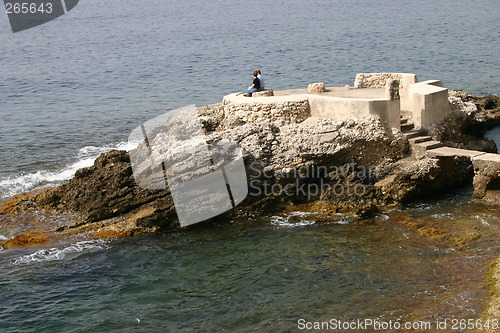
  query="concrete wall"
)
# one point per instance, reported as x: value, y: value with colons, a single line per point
x: 388, y: 111
x: 276, y: 110
x: 297, y: 108
x: 429, y: 102
x: 378, y: 80
x: 343, y: 108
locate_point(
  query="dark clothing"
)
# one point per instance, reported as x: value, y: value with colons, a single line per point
x: 256, y: 81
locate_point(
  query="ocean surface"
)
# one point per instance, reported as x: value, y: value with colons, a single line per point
x: 77, y: 86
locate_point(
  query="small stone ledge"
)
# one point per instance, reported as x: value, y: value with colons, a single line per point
x: 263, y: 93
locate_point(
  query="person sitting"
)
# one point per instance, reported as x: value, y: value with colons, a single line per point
x: 261, y: 79
x: 255, y: 85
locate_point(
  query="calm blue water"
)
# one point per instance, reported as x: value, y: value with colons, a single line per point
x: 85, y: 80
x: 77, y: 86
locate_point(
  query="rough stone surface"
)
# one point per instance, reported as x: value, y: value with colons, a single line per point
x: 487, y: 179
x: 254, y: 112
x: 410, y: 179
x: 107, y: 191
x: 318, y: 87
x: 376, y: 80
x: 263, y: 93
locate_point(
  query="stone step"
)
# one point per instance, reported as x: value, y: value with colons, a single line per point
x: 420, y: 149
x: 487, y: 157
x: 413, y: 133
x: 404, y: 121
x: 419, y: 139
x: 448, y: 151
x: 407, y: 127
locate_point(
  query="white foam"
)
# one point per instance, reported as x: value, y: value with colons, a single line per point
x: 59, y: 253
x: 448, y: 216
x: 296, y: 219
x: 383, y: 217
x: 289, y: 221
x: 86, y: 156
x: 344, y: 219
x: 3, y: 238
x: 483, y: 220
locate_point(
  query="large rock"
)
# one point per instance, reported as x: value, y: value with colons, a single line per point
x: 318, y: 87
x: 487, y: 178
x: 107, y: 201
x: 107, y: 192
x: 411, y: 179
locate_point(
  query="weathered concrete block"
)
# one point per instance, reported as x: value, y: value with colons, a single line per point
x: 429, y: 103
x: 266, y: 92
x: 316, y: 87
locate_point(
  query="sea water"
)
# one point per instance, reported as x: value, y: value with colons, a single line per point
x: 262, y: 274
x: 77, y: 86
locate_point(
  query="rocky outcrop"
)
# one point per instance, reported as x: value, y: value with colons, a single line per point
x: 337, y: 163
x: 465, y: 126
x: 354, y: 166
x: 105, y: 197
x: 105, y: 200
x: 408, y: 179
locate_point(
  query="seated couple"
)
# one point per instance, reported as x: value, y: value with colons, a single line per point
x: 257, y: 83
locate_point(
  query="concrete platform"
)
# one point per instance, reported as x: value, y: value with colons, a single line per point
x: 419, y: 139
x: 448, y: 151
x: 336, y: 103
x: 488, y: 157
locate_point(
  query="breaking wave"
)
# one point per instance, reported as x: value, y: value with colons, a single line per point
x: 59, y: 253
x: 12, y: 185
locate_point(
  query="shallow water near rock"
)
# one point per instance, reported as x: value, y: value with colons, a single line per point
x: 258, y: 275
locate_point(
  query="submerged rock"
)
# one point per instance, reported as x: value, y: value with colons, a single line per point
x: 492, y: 312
